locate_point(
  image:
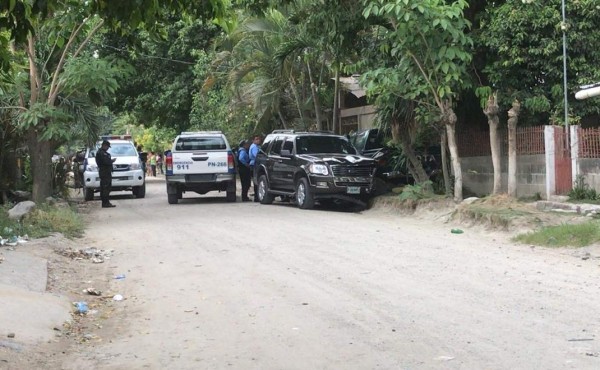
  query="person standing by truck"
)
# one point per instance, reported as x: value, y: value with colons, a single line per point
x: 244, y: 168
x: 105, y: 167
x: 254, y: 148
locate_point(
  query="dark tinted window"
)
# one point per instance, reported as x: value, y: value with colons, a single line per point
x: 265, y: 144
x: 323, y: 144
x: 288, y: 145
x: 276, y: 149
x: 200, y: 143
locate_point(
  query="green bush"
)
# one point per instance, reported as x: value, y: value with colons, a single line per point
x: 582, y: 191
x: 417, y: 192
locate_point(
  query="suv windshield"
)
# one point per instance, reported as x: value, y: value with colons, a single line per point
x: 200, y: 143
x: 323, y: 144
x: 117, y: 150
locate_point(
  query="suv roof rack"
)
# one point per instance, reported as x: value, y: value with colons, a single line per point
x: 284, y: 131
x: 115, y: 137
x: 200, y: 132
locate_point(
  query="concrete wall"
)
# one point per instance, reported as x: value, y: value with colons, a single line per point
x: 590, y: 168
x: 365, y: 116
x: 478, y: 175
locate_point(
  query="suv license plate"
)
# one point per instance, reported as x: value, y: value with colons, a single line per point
x: 353, y: 190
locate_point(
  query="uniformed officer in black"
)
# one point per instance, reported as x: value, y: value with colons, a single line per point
x: 105, y: 166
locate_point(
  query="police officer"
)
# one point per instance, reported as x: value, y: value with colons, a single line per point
x: 105, y: 166
x: 244, y: 169
x: 253, y: 152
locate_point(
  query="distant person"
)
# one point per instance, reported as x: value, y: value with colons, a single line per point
x: 244, y: 168
x: 153, y: 163
x: 254, y: 148
x: 143, y: 158
x: 159, y: 163
x: 105, y: 167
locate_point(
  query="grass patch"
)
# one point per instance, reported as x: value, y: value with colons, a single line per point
x: 578, y: 235
x: 43, y: 221
x: 495, y: 217
x: 497, y: 211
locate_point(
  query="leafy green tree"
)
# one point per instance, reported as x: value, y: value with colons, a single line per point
x: 430, y: 43
x: 162, y: 89
x: 64, y: 81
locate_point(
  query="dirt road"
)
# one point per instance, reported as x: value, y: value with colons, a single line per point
x: 215, y: 285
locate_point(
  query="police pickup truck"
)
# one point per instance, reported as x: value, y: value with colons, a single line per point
x: 127, y: 169
x: 200, y: 162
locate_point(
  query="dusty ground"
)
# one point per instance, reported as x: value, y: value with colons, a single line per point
x: 212, y: 285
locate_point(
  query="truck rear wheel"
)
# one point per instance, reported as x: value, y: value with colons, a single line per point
x: 172, y: 198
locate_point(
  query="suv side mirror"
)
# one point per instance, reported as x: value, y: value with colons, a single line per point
x: 285, y: 153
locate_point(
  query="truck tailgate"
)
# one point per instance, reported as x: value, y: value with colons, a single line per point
x: 200, y: 162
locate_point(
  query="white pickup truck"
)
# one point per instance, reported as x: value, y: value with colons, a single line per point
x: 200, y: 162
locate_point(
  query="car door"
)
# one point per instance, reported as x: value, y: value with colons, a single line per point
x: 275, y: 164
x: 287, y: 165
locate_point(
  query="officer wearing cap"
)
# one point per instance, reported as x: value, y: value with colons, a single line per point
x: 105, y: 166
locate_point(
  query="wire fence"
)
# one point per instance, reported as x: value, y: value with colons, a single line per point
x: 589, y: 142
x: 530, y: 140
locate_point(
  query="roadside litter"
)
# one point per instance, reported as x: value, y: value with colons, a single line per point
x: 93, y: 254
x: 92, y: 291
x: 10, y: 239
x: 118, y: 297
x: 456, y: 231
x: 81, y: 307
x: 120, y: 277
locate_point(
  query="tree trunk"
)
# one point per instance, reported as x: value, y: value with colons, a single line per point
x: 513, y: 118
x: 316, y: 100
x: 336, y: 98
x: 40, y: 154
x: 491, y: 111
x: 449, y: 119
x: 445, y: 172
x: 298, y: 104
x: 415, y: 166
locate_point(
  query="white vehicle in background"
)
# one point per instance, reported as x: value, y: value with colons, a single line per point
x: 127, y: 169
x: 200, y: 162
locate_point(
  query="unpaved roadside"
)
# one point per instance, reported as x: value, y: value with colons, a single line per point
x: 213, y: 285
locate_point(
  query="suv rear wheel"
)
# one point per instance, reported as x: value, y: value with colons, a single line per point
x: 304, y: 196
x: 264, y: 197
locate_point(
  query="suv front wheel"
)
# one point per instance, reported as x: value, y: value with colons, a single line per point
x: 304, y: 196
x: 264, y: 197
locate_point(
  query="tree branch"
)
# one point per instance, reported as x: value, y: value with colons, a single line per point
x: 33, y: 72
x: 89, y: 36
x: 435, y: 94
x: 53, y: 92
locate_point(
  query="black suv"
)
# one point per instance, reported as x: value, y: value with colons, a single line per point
x: 309, y: 166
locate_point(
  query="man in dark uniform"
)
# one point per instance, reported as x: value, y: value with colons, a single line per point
x: 105, y: 166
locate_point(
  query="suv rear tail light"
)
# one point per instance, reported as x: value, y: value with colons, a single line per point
x: 169, y: 164
x: 230, y: 162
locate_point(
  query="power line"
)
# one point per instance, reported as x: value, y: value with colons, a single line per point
x: 150, y: 56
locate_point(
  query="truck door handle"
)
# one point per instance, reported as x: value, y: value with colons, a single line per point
x: 202, y: 159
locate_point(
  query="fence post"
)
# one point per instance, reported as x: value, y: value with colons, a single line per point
x: 550, y: 161
x: 574, y: 151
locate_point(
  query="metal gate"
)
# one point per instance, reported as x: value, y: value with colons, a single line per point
x: 564, y: 177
